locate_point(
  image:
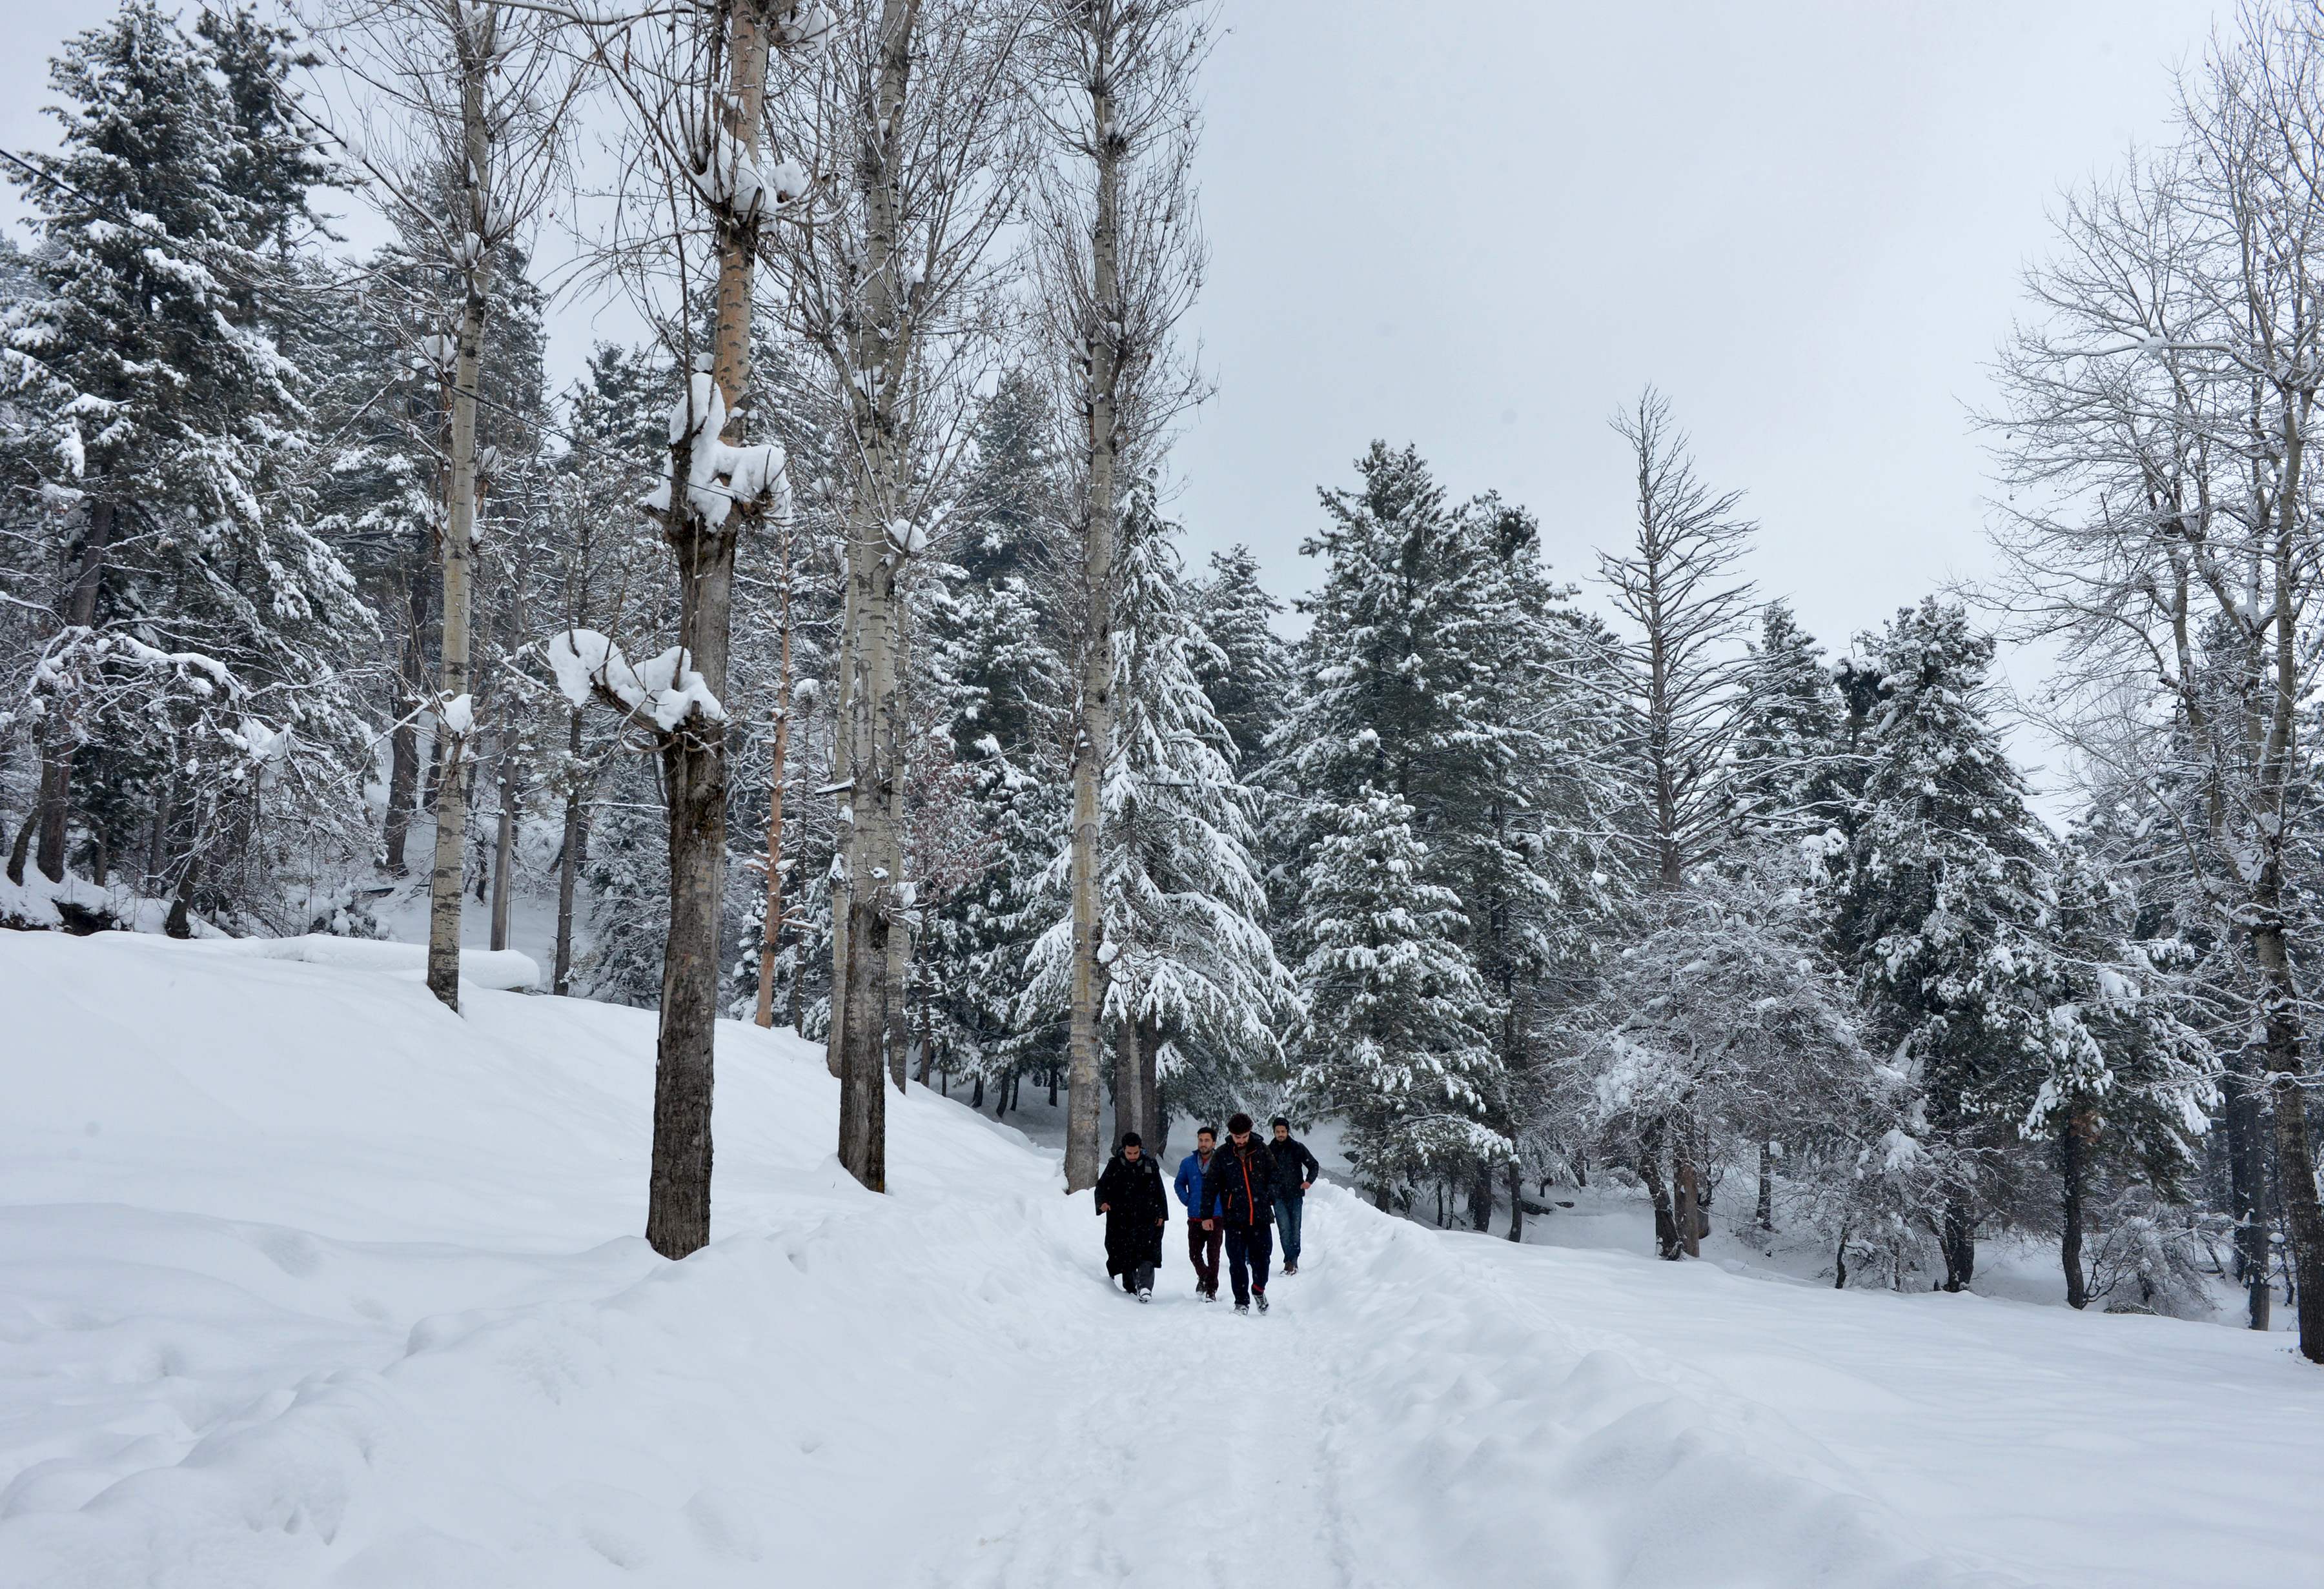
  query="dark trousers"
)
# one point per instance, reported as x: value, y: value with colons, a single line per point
x: 1287, y: 1211
x: 1248, y: 1247
x: 1137, y: 1278
x: 1202, y: 1247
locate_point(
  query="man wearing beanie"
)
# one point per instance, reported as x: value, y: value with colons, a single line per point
x: 1129, y: 1195
x: 1241, y: 1183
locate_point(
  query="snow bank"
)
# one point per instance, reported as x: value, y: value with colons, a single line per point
x: 311, y: 1281
x: 41, y: 906
x: 501, y: 969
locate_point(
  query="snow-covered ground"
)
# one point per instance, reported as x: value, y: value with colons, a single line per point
x: 305, y: 1281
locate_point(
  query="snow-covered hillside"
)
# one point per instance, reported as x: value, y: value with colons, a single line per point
x: 304, y: 1281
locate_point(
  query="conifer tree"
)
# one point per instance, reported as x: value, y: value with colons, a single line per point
x: 162, y: 427
x: 1788, y: 776
x: 1946, y: 903
x: 1246, y: 668
x: 2127, y: 1086
x: 1193, y: 988
x: 1398, y: 1034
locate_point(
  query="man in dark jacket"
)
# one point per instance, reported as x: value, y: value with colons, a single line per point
x: 1202, y: 1233
x: 1129, y: 1195
x: 1241, y: 1183
x: 1296, y: 1170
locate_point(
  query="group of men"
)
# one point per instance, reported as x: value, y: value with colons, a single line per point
x: 1237, y: 1195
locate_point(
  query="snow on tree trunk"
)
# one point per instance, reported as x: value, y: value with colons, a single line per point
x: 455, y: 547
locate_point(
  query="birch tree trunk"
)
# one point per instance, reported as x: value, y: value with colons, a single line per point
x: 771, y: 933
x: 875, y: 732
x: 1093, y: 744
x: 455, y: 550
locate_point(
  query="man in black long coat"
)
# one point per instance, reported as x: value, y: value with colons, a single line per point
x: 1129, y: 1195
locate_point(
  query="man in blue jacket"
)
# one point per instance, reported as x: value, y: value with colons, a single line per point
x: 1202, y: 1231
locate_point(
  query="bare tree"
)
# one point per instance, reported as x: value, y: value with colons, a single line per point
x: 893, y: 280
x: 461, y: 137
x: 1119, y: 259
x: 699, y: 188
x: 2162, y: 523
x: 1687, y: 613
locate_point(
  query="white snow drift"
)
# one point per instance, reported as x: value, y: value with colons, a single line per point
x: 306, y: 1280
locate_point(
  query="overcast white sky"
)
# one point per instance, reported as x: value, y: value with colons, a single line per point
x: 1480, y: 225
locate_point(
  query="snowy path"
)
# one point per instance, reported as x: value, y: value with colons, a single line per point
x: 305, y: 1282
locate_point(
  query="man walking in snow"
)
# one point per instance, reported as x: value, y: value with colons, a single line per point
x: 1202, y: 1233
x: 1296, y: 1170
x: 1129, y: 1195
x: 1241, y: 1182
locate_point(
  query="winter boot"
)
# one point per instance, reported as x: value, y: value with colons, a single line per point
x: 1291, y: 1269
x: 1259, y: 1297
x: 1242, y: 1307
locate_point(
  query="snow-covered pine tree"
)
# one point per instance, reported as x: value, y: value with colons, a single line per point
x: 1246, y: 668
x: 1398, y: 1034
x: 1944, y: 910
x: 1789, y: 774
x: 1194, y: 990
x: 1445, y: 667
x: 2128, y: 1086
x: 163, y: 429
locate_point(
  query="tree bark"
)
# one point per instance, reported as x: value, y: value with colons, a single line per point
x: 1093, y: 744
x: 1480, y: 1198
x: 1763, y: 1215
x: 771, y: 932
x: 2280, y: 999
x: 55, y: 766
x: 694, y: 754
x: 2071, y: 1169
x: 1650, y: 1170
x: 568, y: 860
x: 404, y: 740
x: 457, y: 546
x: 880, y: 351
x: 504, y: 846
x: 1957, y: 1238
x: 1689, y: 1211
x: 1517, y: 1202
x: 2247, y: 1190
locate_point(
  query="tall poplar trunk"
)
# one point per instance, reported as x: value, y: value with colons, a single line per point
x: 1763, y: 1215
x: 56, y: 765
x: 1094, y: 742
x: 771, y: 931
x: 873, y: 724
x: 568, y: 862
x: 457, y: 546
x: 694, y: 754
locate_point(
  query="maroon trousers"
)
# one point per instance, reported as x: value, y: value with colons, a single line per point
x: 1202, y: 1247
